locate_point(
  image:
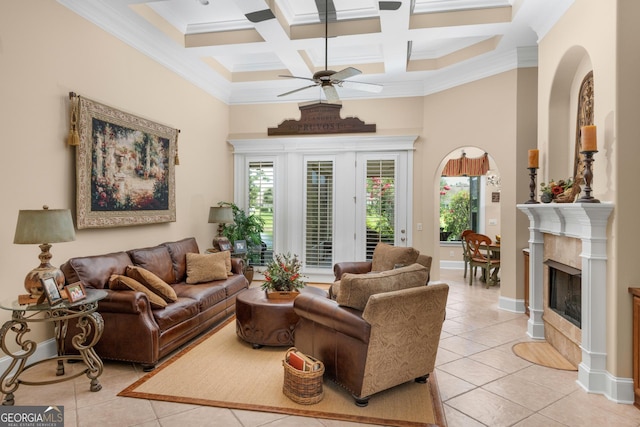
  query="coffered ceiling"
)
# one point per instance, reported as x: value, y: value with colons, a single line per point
x: 237, y: 50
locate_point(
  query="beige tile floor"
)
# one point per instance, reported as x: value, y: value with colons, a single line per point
x: 481, y: 381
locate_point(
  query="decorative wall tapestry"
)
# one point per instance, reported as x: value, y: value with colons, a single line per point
x: 124, y: 167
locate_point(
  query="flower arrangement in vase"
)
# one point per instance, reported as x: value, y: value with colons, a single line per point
x: 282, y: 277
x: 557, y: 191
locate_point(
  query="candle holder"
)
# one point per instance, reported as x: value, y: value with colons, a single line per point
x: 588, y: 177
x: 532, y: 187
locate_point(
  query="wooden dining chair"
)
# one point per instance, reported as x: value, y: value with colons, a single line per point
x: 479, y: 247
x: 465, y: 252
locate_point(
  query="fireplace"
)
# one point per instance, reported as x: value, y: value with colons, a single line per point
x: 574, y: 234
x: 565, y: 291
x: 561, y: 292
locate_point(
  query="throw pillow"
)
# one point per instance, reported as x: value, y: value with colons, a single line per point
x: 386, y: 257
x: 334, y: 289
x: 206, y: 267
x: 118, y: 282
x: 227, y: 262
x: 355, y: 289
x: 152, y: 282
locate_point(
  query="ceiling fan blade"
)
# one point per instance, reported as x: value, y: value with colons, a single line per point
x: 367, y: 87
x: 345, y: 74
x: 389, y: 5
x: 296, y: 77
x: 296, y: 90
x: 260, y: 15
x: 331, y: 93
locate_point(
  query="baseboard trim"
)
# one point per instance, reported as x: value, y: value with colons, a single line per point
x: 510, y: 304
x: 45, y: 350
x: 452, y: 265
x: 616, y: 389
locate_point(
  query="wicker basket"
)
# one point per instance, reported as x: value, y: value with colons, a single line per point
x: 304, y: 387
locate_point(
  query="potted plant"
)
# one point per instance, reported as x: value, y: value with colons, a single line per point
x: 245, y: 227
x: 282, y: 277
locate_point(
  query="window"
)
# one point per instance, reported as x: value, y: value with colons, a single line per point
x: 261, y: 198
x: 459, y: 206
x: 381, y: 201
x: 319, y: 214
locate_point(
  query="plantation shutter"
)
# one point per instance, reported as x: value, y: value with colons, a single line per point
x: 319, y: 214
x: 381, y: 203
x: 261, y: 203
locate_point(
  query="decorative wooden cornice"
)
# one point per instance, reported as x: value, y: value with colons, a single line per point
x: 321, y: 118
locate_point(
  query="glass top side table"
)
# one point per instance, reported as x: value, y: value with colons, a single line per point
x: 90, y: 325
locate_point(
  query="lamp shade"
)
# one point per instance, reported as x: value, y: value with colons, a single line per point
x: 44, y: 226
x: 220, y: 215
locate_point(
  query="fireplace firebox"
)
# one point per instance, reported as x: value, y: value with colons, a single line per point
x: 565, y: 291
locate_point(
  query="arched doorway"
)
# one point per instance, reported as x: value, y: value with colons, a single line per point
x: 467, y: 198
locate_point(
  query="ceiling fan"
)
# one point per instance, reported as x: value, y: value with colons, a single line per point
x: 328, y: 79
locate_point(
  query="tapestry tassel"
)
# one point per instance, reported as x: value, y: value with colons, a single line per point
x: 74, y: 137
x: 177, y: 159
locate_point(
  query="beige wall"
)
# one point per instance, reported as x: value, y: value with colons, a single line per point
x: 483, y: 114
x: 600, y: 35
x: 395, y: 115
x: 626, y: 150
x: 47, y: 51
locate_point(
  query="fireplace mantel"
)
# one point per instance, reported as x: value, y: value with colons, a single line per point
x: 577, y: 220
x: 587, y: 222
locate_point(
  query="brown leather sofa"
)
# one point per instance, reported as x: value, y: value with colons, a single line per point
x: 133, y: 330
x: 382, y: 330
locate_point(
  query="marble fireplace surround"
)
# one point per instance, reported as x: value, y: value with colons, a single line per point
x: 563, y: 335
x: 588, y: 223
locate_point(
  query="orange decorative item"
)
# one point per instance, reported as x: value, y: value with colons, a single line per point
x: 588, y: 138
x: 533, y: 158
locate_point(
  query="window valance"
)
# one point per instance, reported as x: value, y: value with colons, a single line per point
x: 465, y: 166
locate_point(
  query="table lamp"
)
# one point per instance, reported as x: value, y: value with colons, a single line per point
x: 43, y: 227
x: 220, y: 215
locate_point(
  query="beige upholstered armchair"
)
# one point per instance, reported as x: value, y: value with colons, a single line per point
x: 385, y: 257
x: 382, y: 330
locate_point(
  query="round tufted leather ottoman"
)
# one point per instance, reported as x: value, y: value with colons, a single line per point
x: 262, y: 321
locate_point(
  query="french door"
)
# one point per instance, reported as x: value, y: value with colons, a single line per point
x: 330, y: 206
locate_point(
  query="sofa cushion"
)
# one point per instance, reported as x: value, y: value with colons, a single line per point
x: 206, y: 294
x: 355, y: 289
x: 153, y: 282
x: 387, y: 257
x: 178, y: 251
x: 179, y: 313
x: 206, y: 267
x: 155, y: 259
x: 118, y: 282
x: 95, y: 271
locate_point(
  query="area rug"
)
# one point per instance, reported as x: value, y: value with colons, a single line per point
x: 542, y: 353
x: 222, y: 370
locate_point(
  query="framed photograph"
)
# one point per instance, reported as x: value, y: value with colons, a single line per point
x: 224, y: 244
x: 50, y: 288
x: 125, y: 168
x: 240, y: 247
x: 75, y: 292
